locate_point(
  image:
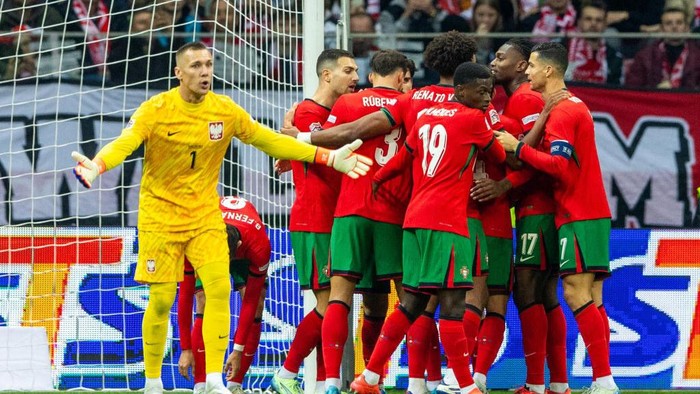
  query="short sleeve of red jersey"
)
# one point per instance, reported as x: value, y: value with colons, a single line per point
x: 308, y: 115
x: 511, y: 125
x: 525, y: 109
x: 339, y: 113
x: 493, y: 120
x: 487, y: 142
x: 397, y: 113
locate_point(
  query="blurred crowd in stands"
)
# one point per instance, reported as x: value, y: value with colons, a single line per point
x: 259, y: 43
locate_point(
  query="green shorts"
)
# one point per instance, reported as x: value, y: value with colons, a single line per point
x: 584, y: 246
x: 500, y: 279
x: 536, y: 246
x: 476, y: 234
x: 435, y: 260
x: 361, y: 246
x: 311, y: 252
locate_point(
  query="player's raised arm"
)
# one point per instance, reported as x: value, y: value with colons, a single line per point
x: 114, y: 153
x: 282, y: 146
x: 368, y: 126
x: 534, y: 136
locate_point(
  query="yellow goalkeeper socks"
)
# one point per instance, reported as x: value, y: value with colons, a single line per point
x: 155, y: 326
x: 217, y: 316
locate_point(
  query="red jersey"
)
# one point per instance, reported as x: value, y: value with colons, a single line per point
x: 316, y: 186
x: 523, y: 107
x: 444, y: 141
x: 255, y: 247
x: 535, y: 196
x: 412, y: 103
x: 495, y: 214
x: 571, y: 157
x: 356, y: 196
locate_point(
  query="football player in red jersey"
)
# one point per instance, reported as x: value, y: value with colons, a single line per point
x: 311, y: 216
x: 363, y: 221
x: 582, y: 215
x: 444, y: 54
x: 536, y: 262
x: 437, y: 247
x: 249, y: 260
x: 407, y: 84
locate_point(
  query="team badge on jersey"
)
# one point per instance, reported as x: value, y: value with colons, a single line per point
x: 315, y: 126
x: 151, y: 266
x: 494, y: 118
x: 216, y: 131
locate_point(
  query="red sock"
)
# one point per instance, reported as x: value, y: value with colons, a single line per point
x: 533, y: 323
x: 307, y: 337
x: 251, y: 347
x: 556, y: 345
x: 470, y: 322
x: 490, y: 340
x: 457, y: 350
x: 200, y: 367
x: 320, y: 366
x: 606, y: 322
x: 334, y: 333
x: 418, y: 344
x: 590, y: 325
x: 434, y: 366
x: 395, y: 328
x: 371, y: 328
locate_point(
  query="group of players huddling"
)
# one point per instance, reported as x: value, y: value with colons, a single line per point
x: 433, y: 215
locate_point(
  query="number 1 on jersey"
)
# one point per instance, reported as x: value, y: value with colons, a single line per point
x: 434, y: 144
x: 194, y: 157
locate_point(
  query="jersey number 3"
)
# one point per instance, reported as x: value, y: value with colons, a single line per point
x: 392, y: 142
x: 434, y: 143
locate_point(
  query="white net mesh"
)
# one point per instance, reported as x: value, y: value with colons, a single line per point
x: 71, y: 75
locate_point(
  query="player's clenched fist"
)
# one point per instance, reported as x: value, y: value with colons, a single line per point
x: 87, y: 170
x: 345, y: 160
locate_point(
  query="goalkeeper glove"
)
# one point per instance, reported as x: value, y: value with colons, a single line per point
x: 344, y: 160
x: 87, y: 170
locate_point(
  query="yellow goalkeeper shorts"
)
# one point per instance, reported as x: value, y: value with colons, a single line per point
x: 161, y: 254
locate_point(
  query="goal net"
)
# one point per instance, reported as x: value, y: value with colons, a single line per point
x: 71, y: 75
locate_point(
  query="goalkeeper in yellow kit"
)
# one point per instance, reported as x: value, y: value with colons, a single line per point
x: 186, y: 132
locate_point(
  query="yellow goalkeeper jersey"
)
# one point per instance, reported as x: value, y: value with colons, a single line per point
x: 185, y: 145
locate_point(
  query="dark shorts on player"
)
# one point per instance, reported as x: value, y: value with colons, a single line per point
x: 311, y: 252
x: 369, y: 285
x: 435, y: 260
x: 476, y: 234
x: 500, y: 279
x: 584, y: 246
x: 239, y: 270
x: 536, y: 243
x: 360, y: 246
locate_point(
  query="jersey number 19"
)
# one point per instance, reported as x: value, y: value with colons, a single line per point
x: 434, y: 144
